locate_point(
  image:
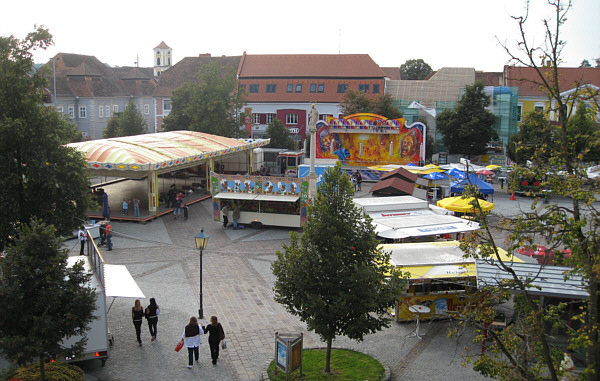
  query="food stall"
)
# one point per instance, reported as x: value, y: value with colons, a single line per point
x: 441, y: 278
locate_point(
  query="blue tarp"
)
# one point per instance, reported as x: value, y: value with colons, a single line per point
x: 459, y: 186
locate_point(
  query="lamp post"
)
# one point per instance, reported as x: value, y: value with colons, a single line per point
x: 201, y: 243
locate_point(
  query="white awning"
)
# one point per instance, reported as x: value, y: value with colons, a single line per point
x: 267, y: 197
x: 118, y: 282
x: 235, y: 196
x: 441, y: 229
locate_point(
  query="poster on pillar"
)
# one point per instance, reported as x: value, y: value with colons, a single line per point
x: 370, y: 139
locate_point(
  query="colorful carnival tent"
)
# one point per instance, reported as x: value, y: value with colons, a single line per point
x: 459, y: 186
x: 149, y: 155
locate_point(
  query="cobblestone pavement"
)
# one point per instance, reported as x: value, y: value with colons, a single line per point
x: 237, y: 287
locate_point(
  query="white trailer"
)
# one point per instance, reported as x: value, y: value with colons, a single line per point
x: 107, y: 281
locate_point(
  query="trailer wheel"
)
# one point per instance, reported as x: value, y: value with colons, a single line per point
x: 256, y: 225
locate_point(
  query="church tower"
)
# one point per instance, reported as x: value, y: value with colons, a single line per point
x: 162, y: 58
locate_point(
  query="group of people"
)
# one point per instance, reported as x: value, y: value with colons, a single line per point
x: 235, y: 215
x: 150, y: 313
x: 356, y: 180
x: 136, y: 207
x: 191, y: 332
x: 191, y: 337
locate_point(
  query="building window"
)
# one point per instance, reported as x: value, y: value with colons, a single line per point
x: 166, y: 104
x: 290, y: 87
x: 270, y: 118
x: 342, y: 87
x: 71, y: 111
x: 321, y: 88
x: 242, y: 88
x: 363, y: 87
x: 255, y: 118
x: 325, y: 116
x: 254, y: 88
x: 375, y: 88
x: 313, y: 87
x: 539, y: 108
x: 59, y: 109
x: 108, y: 111
x: 271, y: 88
x: 291, y: 118
x: 82, y: 111
x: 115, y: 108
x: 101, y: 112
x: 519, y: 113
x: 298, y: 87
x: 146, y: 108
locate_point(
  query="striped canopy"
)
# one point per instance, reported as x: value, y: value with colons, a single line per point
x: 162, y: 151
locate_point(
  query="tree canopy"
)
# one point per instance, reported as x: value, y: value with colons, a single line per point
x: 534, y: 133
x: 355, y: 102
x: 130, y: 122
x: 415, y: 69
x: 279, y: 135
x: 335, y: 277
x: 40, y: 176
x: 212, y: 106
x: 43, y: 301
x: 468, y: 128
x: 527, y: 349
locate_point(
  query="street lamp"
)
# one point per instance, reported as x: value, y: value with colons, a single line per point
x: 201, y: 243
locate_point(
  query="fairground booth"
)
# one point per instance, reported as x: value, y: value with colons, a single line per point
x: 363, y: 140
x: 148, y: 156
x: 441, y: 278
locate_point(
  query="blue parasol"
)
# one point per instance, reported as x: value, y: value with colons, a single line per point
x: 105, y: 206
x: 453, y: 172
x: 435, y: 176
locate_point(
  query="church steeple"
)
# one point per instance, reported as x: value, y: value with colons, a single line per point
x: 162, y: 58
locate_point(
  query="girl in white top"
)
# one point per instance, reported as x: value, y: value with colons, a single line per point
x: 191, y: 336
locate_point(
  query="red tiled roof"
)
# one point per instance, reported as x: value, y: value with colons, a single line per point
x: 310, y: 66
x: 489, y: 78
x: 393, y: 186
x: 188, y: 70
x: 162, y: 45
x: 400, y: 173
x: 569, y: 78
x: 392, y: 73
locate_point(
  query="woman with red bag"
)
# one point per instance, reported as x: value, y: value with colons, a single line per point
x: 191, y: 336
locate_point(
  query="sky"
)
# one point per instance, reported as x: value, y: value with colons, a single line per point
x: 460, y: 33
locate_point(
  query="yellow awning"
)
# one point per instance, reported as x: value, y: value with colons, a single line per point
x: 463, y: 205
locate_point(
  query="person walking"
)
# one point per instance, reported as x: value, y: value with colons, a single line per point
x: 136, y: 207
x: 225, y: 211
x: 137, y: 314
x: 215, y: 335
x: 191, y: 337
x: 152, y: 312
x: 108, y: 229
x: 236, y: 215
x: 359, y: 180
x: 82, y: 237
x: 177, y: 208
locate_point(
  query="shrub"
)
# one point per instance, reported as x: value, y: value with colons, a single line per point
x: 55, y: 371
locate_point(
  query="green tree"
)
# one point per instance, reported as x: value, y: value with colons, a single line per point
x: 279, y: 135
x: 43, y: 301
x: 212, y: 106
x: 524, y: 350
x: 585, y: 63
x: 130, y: 122
x: 415, y: 69
x: 533, y: 142
x: 40, y: 176
x: 583, y: 133
x: 355, y: 102
x: 468, y: 128
x: 335, y: 277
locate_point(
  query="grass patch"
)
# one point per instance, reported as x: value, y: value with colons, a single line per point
x: 345, y: 365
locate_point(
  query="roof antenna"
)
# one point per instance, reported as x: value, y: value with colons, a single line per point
x: 340, y: 42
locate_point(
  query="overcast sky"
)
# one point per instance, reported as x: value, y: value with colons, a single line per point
x: 461, y: 33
